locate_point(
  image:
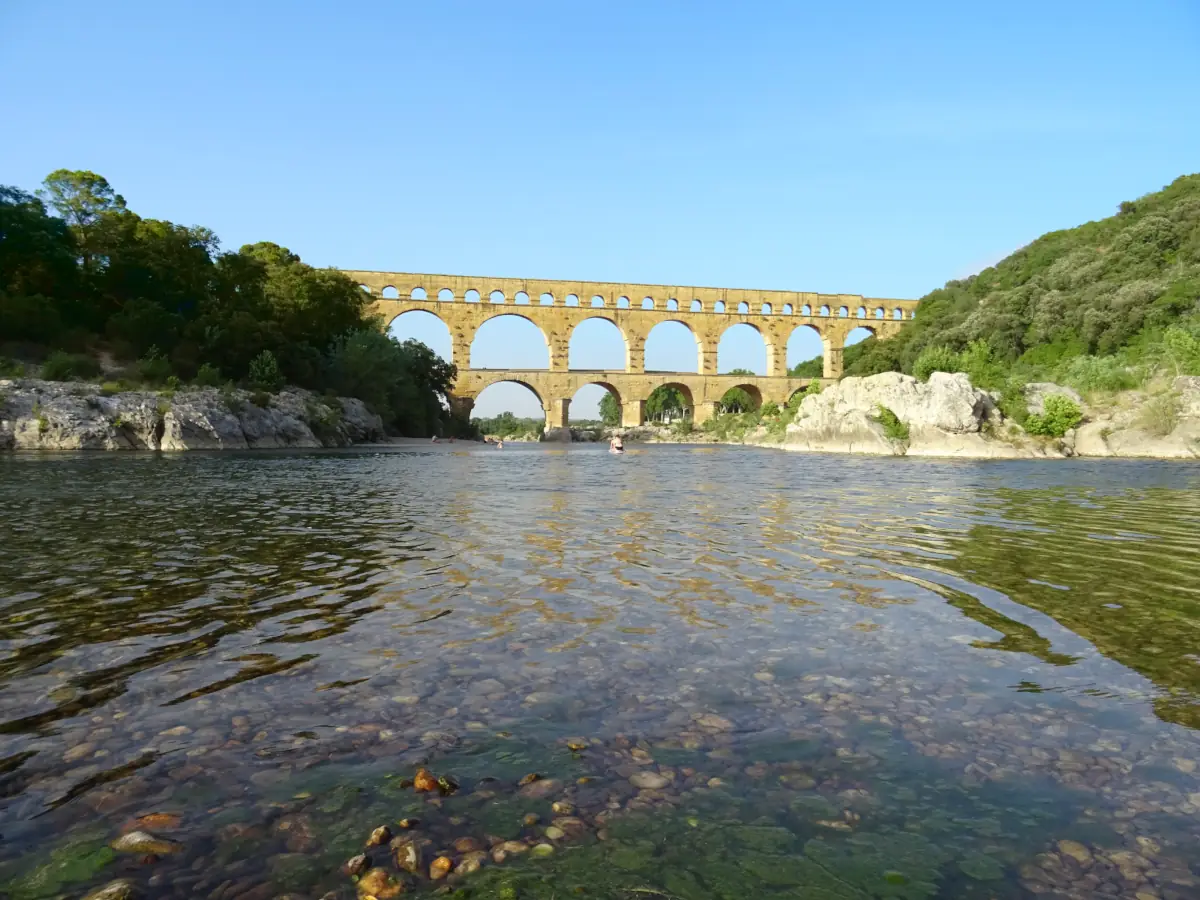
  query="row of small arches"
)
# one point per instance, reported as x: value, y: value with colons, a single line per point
x: 521, y: 298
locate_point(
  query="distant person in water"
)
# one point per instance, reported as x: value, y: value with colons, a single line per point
x: 499, y: 445
x: 616, y: 445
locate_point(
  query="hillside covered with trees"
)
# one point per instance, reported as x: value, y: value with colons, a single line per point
x: 84, y: 279
x: 1099, y: 307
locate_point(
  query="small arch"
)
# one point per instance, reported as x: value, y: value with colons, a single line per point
x: 719, y: 306
x: 597, y: 301
x: 647, y: 303
x: 597, y: 343
x: 766, y: 309
x: 879, y: 313
x: 521, y: 298
x: 364, y: 289
x: 897, y: 313
x: 843, y: 312
x: 547, y: 299
x: 446, y: 295
x: 509, y: 341
x: 471, y: 296
x: 390, y: 293
x: 861, y: 313
x: 496, y: 297
x: 743, y: 308
x: 806, y: 310
x: 787, y: 309
x: 622, y: 302
x: 426, y: 327
x: 417, y: 293
x: 697, y: 306
x: 572, y: 300
x: 672, y: 305
x: 671, y: 346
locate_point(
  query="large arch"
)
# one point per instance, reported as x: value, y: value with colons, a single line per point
x: 508, y: 395
x: 585, y: 403
x: 597, y: 343
x: 756, y: 398
x: 804, y: 345
x: 669, y: 347
x: 509, y: 341
x: 742, y: 346
x: 858, y: 335
x: 428, y: 328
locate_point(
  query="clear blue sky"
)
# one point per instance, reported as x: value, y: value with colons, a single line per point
x: 873, y: 148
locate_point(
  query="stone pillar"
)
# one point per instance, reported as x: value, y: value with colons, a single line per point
x: 635, y: 355
x: 833, y: 361
x: 557, y: 420
x: 776, y: 357
x: 559, y: 351
x: 460, y: 351
x: 704, y: 411
x: 708, y: 355
x: 462, y: 406
x: 633, y: 413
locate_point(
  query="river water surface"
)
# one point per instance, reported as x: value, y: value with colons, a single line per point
x: 687, y: 672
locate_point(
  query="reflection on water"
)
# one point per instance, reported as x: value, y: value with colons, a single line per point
x: 738, y: 673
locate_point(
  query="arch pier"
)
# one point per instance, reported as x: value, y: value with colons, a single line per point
x: 464, y: 303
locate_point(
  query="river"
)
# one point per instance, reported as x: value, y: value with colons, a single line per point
x: 737, y: 672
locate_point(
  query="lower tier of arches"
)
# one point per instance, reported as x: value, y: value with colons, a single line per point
x: 554, y: 390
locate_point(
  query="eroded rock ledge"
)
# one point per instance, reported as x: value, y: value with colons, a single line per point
x: 45, y: 415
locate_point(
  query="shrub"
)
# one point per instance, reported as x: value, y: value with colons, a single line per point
x: 1059, y: 415
x: 937, y: 359
x: 769, y: 410
x: 895, y: 429
x: 264, y: 372
x: 154, y: 368
x: 109, y: 388
x: 10, y: 368
x: 682, y: 427
x: 43, y: 422
x: 61, y: 366
x: 1089, y: 374
x: 1159, y: 415
x: 208, y: 376
x: 261, y: 399
x: 1181, y: 351
x: 229, y: 397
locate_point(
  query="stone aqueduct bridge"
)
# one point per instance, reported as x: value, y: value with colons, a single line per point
x: 464, y: 303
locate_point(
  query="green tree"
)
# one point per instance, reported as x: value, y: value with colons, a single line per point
x: 610, y: 410
x: 665, y: 400
x: 82, y: 198
x: 737, y: 400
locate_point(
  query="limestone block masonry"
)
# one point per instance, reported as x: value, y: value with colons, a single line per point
x: 465, y: 302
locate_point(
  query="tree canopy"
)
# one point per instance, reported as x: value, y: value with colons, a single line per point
x: 81, y: 272
x: 1127, y: 286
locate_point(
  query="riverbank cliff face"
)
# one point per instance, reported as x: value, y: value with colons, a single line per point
x: 45, y: 415
x: 948, y: 416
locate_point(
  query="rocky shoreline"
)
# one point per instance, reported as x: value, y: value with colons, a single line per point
x: 46, y: 415
x: 949, y: 417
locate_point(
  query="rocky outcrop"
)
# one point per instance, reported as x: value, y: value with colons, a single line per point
x: 945, y: 416
x: 44, y: 415
x: 1161, y: 423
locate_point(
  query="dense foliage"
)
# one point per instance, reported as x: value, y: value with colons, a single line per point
x: 507, y: 425
x: 96, y: 278
x: 1094, y: 306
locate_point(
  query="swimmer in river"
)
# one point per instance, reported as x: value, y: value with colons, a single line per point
x: 499, y: 445
x: 616, y: 445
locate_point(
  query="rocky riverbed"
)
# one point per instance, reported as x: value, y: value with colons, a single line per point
x: 47, y: 415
